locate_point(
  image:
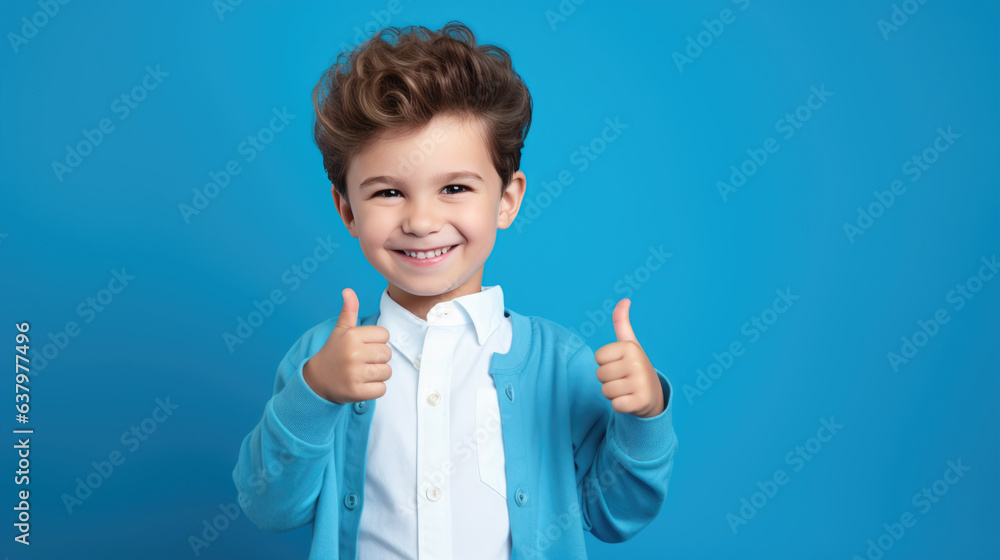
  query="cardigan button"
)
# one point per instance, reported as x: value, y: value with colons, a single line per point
x: 521, y: 497
x: 509, y: 391
x: 351, y: 500
x: 361, y: 407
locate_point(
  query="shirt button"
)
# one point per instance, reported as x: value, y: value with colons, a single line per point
x: 361, y: 407
x: 433, y: 493
x: 509, y: 391
x: 433, y: 398
x: 416, y: 362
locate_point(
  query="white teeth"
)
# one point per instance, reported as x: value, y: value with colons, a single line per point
x: 426, y: 254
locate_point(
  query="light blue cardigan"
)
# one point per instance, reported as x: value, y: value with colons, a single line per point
x: 573, y: 464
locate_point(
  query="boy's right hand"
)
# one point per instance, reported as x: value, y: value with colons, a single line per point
x: 353, y: 365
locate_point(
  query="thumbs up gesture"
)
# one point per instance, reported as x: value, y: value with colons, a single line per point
x: 353, y: 364
x: 630, y: 382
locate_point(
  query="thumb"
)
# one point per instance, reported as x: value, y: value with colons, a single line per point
x: 349, y: 312
x: 623, y: 327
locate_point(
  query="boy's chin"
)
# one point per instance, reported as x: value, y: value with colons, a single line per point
x: 422, y: 291
x: 429, y: 288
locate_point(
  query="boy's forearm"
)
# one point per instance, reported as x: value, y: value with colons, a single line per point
x: 609, y: 494
x: 626, y: 466
x: 281, y: 463
x: 610, y: 488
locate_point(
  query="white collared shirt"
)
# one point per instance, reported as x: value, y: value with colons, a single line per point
x: 435, y: 485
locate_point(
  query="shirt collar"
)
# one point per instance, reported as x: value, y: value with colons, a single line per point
x: 484, y: 309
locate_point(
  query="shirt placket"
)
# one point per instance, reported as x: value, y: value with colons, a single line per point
x: 434, y: 370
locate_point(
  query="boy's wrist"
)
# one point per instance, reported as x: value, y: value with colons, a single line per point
x: 309, y: 376
x: 646, y: 439
x: 304, y: 413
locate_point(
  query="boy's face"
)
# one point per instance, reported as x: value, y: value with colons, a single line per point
x: 426, y: 191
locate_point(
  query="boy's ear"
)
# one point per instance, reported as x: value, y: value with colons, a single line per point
x: 344, y: 209
x: 510, y: 200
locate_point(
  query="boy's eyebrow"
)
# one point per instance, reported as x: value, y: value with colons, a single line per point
x: 443, y: 177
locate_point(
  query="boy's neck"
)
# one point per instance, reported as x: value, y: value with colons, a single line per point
x: 421, y: 305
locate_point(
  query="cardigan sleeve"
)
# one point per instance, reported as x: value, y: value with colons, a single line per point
x: 279, y: 472
x: 623, y: 462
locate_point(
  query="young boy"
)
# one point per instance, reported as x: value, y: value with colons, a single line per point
x: 445, y: 425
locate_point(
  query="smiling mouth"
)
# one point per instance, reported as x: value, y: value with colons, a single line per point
x: 426, y: 254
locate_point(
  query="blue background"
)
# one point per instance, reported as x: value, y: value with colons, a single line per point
x: 655, y: 185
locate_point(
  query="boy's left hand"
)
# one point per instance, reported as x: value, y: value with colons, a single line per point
x: 630, y: 382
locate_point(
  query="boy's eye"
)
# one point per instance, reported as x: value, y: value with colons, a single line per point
x: 392, y: 193
x: 461, y: 188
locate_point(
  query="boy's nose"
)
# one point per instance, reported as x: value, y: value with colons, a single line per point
x: 421, y: 220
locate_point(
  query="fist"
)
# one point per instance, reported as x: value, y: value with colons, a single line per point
x: 629, y: 380
x: 353, y: 364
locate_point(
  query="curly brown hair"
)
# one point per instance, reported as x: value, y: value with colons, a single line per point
x: 403, y: 82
